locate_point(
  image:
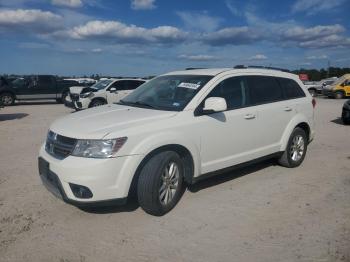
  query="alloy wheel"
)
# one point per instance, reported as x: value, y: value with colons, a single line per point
x: 297, y: 148
x: 169, y: 183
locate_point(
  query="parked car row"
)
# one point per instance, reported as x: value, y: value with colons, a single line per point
x: 331, y: 87
x: 316, y: 88
x: 35, y: 87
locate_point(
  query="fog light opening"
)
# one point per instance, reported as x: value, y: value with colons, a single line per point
x: 80, y: 191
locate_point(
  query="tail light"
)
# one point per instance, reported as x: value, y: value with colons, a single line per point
x: 313, y: 102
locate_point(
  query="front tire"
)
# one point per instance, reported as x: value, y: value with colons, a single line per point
x: 161, y: 184
x: 296, y: 149
x: 97, y: 102
x: 7, y: 99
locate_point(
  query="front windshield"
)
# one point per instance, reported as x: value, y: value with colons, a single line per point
x: 101, y: 84
x: 171, y: 92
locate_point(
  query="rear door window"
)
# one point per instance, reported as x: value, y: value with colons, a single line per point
x: 233, y: 90
x: 291, y: 88
x: 264, y: 89
x: 133, y: 84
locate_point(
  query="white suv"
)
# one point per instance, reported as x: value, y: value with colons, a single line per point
x: 106, y: 91
x: 174, y: 130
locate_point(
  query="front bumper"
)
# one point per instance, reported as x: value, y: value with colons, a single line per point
x: 82, y: 103
x: 109, y: 179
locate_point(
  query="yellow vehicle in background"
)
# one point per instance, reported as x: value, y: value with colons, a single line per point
x: 339, y: 89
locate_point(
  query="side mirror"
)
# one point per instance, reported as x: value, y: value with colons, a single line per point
x: 214, y: 105
x: 113, y: 90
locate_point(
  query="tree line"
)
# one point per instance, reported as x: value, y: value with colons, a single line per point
x: 317, y: 75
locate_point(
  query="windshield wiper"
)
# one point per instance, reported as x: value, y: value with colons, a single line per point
x: 137, y: 103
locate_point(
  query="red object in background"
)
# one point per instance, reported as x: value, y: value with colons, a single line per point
x: 304, y: 77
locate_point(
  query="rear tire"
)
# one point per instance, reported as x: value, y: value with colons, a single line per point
x: 339, y: 95
x: 296, y: 149
x: 160, y: 185
x: 7, y: 99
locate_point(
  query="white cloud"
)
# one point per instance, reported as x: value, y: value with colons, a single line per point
x: 68, y: 3
x: 199, y: 21
x: 198, y: 57
x: 315, y: 6
x: 232, y: 8
x: 231, y: 36
x: 317, y: 57
x: 142, y: 4
x: 97, y: 50
x: 317, y: 36
x: 258, y: 57
x: 29, y: 20
x: 299, y: 33
x: 118, y: 32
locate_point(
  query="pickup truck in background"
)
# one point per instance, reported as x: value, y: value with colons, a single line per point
x: 35, y: 87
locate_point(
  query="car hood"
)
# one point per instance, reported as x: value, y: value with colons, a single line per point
x: 96, y: 123
x: 76, y: 89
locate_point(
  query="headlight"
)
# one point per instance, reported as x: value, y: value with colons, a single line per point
x: 98, y: 148
x: 86, y: 95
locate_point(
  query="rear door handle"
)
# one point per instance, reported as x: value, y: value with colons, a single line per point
x: 249, y: 116
x: 287, y: 109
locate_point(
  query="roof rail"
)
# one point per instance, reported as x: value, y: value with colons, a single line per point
x: 194, y: 68
x: 262, y: 67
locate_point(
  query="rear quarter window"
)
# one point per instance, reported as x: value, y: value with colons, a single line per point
x: 291, y: 88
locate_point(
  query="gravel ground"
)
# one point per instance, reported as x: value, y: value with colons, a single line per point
x: 261, y: 213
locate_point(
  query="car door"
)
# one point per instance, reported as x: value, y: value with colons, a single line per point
x: 273, y: 112
x: 227, y: 138
x: 114, y: 96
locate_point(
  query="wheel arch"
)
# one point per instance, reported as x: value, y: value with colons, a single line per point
x: 184, y: 153
x: 97, y: 98
x: 297, y: 121
x: 8, y: 91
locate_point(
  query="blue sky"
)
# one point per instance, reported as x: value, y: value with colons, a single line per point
x: 146, y: 37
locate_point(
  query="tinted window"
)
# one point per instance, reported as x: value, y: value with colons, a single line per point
x: 133, y: 84
x: 120, y: 85
x: 264, y: 89
x: 46, y: 81
x: 291, y: 88
x: 233, y: 90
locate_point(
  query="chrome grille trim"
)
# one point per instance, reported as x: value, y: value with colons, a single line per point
x: 59, y: 146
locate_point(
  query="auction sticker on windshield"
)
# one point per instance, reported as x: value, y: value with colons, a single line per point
x: 189, y: 85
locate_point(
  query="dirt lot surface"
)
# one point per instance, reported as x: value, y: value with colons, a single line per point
x: 261, y: 213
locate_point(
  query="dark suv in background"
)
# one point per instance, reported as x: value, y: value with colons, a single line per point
x: 35, y: 87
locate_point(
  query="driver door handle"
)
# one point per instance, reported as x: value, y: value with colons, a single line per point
x: 287, y: 109
x: 249, y: 116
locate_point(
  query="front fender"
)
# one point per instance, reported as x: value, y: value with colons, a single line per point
x: 155, y: 141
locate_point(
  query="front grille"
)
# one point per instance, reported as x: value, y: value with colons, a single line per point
x: 59, y: 146
x: 74, y: 97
